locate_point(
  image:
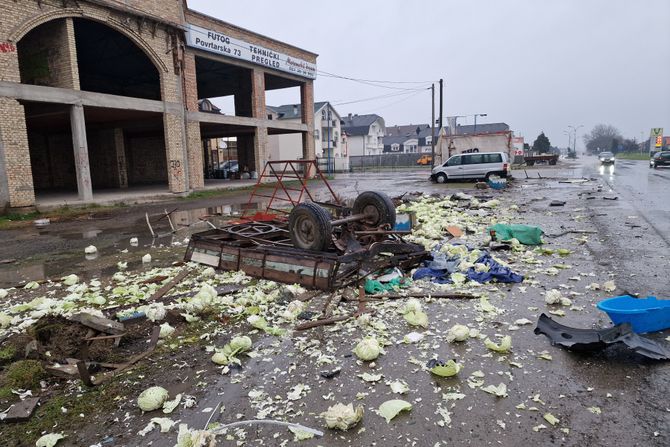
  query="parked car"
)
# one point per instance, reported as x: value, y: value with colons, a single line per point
x: 425, y: 160
x: 227, y: 169
x: 606, y: 157
x: 472, y: 166
x: 660, y: 159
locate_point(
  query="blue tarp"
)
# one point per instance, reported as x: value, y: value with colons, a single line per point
x: 496, y: 271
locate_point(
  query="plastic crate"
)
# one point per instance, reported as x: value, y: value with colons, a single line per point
x: 644, y: 314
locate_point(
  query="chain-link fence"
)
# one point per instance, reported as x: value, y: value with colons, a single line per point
x: 383, y: 162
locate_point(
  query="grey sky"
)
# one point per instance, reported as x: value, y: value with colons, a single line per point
x: 536, y: 65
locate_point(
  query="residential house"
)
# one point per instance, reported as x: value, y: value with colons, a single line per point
x: 365, y: 134
x: 327, y: 133
x: 412, y: 138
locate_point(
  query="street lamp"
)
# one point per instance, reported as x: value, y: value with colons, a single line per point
x: 476, y: 115
x: 574, y: 140
x: 569, y: 134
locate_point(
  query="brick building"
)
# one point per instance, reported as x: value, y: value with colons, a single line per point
x: 102, y: 94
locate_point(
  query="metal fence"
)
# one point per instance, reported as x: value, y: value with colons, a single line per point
x: 383, y: 162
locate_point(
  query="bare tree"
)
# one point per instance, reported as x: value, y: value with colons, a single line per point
x: 601, y: 138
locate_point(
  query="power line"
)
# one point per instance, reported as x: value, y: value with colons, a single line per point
x: 374, y: 83
x: 372, y: 98
x: 396, y: 102
x: 323, y: 72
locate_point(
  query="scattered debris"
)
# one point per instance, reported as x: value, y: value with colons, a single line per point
x: 391, y: 408
x: 581, y: 340
x: 20, y: 411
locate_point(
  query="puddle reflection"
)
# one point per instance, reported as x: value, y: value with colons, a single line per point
x: 606, y: 170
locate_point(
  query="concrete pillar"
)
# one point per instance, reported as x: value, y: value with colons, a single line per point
x: 173, y: 127
x: 307, y: 107
x: 260, y: 148
x: 259, y: 111
x: 16, y: 177
x: 80, y: 146
x: 120, y: 157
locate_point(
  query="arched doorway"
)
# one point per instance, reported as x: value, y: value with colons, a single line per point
x: 122, y: 148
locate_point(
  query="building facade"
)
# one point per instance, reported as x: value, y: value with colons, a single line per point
x: 103, y: 94
x: 409, y: 139
x: 326, y: 128
x: 364, y: 133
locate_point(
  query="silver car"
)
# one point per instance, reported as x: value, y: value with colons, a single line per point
x: 606, y: 157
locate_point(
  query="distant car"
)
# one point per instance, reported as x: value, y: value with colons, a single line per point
x: 606, y: 157
x: 227, y: 169
x: 660, y: 159
x: 425, y: 160
x: 472, y: 166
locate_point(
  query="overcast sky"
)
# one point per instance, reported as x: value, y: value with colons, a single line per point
x: 535, y: 65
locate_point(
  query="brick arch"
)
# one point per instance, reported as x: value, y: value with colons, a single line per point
x: 28, y: 25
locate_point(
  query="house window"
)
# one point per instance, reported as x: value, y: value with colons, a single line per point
x: 395, y: 147
x: 316, y: 133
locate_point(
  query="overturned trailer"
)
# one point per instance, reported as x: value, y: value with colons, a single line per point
x: 322, y: 245
x: 325, y: 270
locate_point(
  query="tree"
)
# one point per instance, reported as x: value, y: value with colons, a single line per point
x: 603, y: 137
x: 541, y: 144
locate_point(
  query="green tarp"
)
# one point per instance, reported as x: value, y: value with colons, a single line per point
x: 526, y: 234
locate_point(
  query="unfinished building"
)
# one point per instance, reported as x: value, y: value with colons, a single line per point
x: 103, y: 96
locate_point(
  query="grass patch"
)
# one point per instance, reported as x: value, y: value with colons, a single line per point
x: 49, y: 417
x: 7, y: 353
x: 632, y: 156
x: 209, y: 193
x: 16, y: 220
x: 24, y: 374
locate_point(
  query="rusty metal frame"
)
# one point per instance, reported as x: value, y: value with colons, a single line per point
x: 273, y: 177
x: 327, y: 270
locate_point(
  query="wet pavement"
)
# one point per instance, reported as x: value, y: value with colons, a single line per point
x: 628, y: 391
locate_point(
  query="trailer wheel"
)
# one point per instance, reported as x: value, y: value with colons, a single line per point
x: 377, y: 207
x: 309, y: 227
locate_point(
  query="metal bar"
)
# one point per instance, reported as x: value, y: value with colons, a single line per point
x: 352, y: 218
x: 385, y: 232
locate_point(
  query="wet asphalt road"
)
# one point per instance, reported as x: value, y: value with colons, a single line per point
x: 645, y: 190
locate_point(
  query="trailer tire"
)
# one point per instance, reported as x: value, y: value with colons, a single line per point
x: 309, y: 227
x: 377, y: 206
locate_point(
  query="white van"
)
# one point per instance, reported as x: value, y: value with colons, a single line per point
x: 472, y: 166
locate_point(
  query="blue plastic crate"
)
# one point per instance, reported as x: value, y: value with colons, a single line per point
x: 644, y: 314
x: 497, y: 184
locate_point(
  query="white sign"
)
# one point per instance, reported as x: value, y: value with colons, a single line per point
x: 215, y: 42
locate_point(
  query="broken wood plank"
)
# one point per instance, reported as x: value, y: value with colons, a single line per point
x: 322, y: 322
x: 169, y: 286
x: 105, y: 337
x: 452, y: 295
x: 21, y: 411
x: 99, y: 324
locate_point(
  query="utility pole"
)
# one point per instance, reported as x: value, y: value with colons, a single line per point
x: 441, y: 99
x: 432, y: 139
